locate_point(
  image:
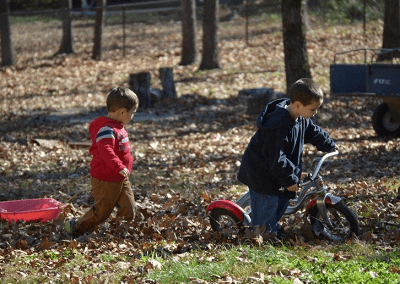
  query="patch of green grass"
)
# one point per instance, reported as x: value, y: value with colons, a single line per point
x: 367, y: 212
x: 31, y: 19
x: 114, y: 258
x: 393, y: 184
x: 344, y: 264
x: 25, y: 269
x: 268, y: 19
x: 200, y: 265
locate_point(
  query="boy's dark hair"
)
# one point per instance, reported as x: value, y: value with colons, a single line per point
x: 121, y: 98
x: 305, y: 91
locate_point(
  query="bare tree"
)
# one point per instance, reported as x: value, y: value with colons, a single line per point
x: 190, y: 52
x: 67, y: 40
x: 7, y: 51
x: 98, y: 29
x: 210, y: 54
x: 294, y: 42
x: 391, y: 29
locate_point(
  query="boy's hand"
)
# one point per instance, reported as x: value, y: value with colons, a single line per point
x: 124, y: 172
x: 294, y: 187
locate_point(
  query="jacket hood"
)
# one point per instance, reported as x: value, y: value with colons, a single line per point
x: 275, y: 115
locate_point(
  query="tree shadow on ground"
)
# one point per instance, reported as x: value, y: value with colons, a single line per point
x: 194, y: 109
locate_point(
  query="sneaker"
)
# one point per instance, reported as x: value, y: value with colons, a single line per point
x: 70, y: 226
x: 281, y: 234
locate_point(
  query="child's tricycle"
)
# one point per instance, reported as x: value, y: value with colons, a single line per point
x: 329, y: 217
x: 373, y: 79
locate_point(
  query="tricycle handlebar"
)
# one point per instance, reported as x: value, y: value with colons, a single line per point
x: 320, y: 161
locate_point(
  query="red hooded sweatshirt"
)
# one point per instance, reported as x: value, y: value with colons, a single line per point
x: 110, y: 149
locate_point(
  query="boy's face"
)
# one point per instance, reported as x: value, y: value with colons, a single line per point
x: 309, y: 110
x: 126, y: 115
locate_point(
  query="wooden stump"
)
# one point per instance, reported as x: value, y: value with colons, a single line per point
x: 257, y: 99
x: 167, y: 82
x: 140, y: 84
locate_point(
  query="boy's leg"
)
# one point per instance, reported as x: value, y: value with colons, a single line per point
x: 283, y: 204
x: 126, y: 202
x: 106, y: 196
x: 266, y: 210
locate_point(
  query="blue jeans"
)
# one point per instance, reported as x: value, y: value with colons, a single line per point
x: 267, y: 210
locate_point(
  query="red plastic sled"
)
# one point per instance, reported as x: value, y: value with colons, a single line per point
x: 30, y: 209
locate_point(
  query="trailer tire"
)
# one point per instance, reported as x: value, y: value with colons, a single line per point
x: 383, y: 122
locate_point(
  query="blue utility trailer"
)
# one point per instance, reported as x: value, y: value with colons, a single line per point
x: 372, y: 79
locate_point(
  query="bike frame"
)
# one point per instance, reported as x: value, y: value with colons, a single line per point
x: 313, y: 186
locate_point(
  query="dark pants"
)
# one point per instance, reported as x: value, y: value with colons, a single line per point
x: 107, y: 195
x: 267, y: 210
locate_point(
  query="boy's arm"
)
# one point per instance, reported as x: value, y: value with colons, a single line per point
x: 274, y: 151
x: 105, y: 141
x: 318, y: 137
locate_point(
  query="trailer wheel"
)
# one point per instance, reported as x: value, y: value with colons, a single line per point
x: 383, y: 122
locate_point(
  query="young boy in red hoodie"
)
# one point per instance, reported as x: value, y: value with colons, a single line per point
x: 111, y: 164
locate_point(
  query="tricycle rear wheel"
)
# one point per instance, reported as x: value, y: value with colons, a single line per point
x: 384, y: 123
x: 226, y: 222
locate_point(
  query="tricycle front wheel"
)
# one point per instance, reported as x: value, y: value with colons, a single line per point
x: 344, y: 222
x: 384, y: 123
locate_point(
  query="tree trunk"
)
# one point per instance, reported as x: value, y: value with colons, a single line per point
x: 210, y: 54
x: 67, y: 41
x: 391, y: 29
x: 294, y: 42
x: 7, y: 51
x: 98, y: 30
x: 190, y: 52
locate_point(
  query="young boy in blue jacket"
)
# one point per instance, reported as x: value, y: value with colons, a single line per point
x: 273, y: 158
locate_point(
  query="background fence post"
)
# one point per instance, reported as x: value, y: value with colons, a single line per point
x: 247, y: 21
x: 123, y: 31
x: 364, y: 19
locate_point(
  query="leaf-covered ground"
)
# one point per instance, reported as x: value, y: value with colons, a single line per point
x: 187, y: 152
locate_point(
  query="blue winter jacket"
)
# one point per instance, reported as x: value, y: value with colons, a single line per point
x: 273, y: 158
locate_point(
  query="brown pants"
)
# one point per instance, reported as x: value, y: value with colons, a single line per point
x: 107, y: 195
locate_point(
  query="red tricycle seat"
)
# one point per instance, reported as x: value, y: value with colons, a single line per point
x: 43, y: 209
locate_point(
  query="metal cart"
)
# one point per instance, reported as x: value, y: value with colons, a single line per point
x: 372, y: 79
